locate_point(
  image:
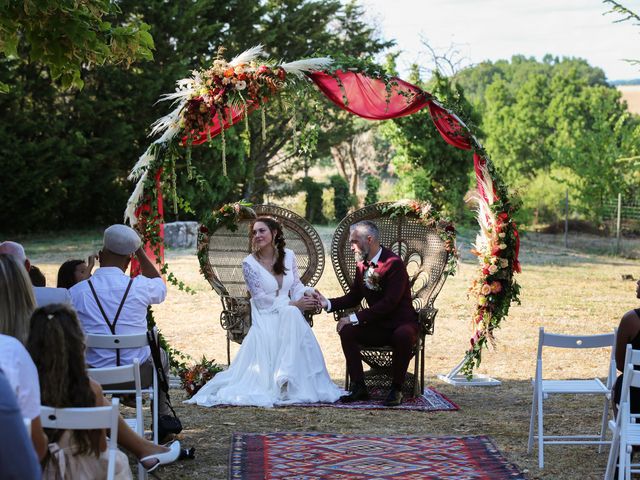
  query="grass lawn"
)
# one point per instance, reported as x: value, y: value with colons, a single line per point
x: 566, y: 291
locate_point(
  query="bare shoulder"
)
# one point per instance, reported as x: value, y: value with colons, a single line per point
x: 629, y: 325
x: 97, y: 391
x: 630, y: 318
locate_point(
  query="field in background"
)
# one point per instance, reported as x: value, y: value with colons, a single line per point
x: 631, y: 93
x: 566, y: 291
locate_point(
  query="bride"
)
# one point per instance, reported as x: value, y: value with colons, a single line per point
x: 279, y: 361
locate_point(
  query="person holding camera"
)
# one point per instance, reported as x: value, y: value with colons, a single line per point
x: 112, y: 302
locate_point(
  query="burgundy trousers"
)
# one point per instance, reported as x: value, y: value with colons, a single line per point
x: 402, y: 340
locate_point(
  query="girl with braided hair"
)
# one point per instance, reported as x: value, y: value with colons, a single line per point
x: 279, y: 361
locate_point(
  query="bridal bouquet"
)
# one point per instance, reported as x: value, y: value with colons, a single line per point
x: 195, y: 377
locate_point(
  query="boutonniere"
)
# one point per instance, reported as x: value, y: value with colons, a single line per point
x: 372, y: 278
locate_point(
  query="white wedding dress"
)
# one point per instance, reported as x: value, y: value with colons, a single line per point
x: 279, y: 361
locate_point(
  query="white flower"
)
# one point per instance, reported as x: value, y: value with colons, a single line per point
x: 241, y: 85
x: 493, y: 269
x: 502, y: 234
x: 502, y: 246
x: 372, y: 279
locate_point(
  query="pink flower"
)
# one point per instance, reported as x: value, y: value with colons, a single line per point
x: 492, y: 269
x: 486, y: 289
x: 496, y: 287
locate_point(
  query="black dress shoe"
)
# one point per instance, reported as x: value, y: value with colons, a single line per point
x: 394, y: 398
x: 358, y: 392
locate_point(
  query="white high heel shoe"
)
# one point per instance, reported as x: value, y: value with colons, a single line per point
x: 164, y: 458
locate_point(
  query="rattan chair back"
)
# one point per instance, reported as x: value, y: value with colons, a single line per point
x: 420, y: 247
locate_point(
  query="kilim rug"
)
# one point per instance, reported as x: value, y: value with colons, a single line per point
x: 430, y: 401
x: 315, y: 456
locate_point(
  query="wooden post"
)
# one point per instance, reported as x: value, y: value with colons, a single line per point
x: 618, y: 224
x: 566, y: 219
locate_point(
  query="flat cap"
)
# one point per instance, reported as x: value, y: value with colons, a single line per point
x: 121, y: 239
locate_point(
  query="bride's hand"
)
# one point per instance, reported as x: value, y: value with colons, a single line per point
x: 306, y: 303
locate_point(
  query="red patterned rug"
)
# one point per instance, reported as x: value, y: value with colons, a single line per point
x: 430, y: 401
x: 315, y: 456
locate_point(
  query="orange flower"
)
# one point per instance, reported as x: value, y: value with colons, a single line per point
x: 229, y: 72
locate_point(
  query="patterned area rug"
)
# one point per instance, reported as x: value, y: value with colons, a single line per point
x: 430, y: 401
x: 315, y: 456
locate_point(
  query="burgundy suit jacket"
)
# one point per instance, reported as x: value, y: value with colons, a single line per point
x: 390, y: 306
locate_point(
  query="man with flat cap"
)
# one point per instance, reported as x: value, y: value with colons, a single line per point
x: 111, y: 302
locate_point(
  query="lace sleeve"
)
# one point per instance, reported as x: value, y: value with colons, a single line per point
x: 297, y: 288
x: 254, y: 284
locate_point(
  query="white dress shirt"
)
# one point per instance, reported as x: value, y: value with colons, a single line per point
x: 22, y: 375
x: 352, y: 317
x: 110, y: 284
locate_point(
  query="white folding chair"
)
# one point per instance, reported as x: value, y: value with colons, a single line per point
x: 27, y: 425
x: 92, y: 418
x: 130, y: 341
x: 122, y: 375
x: 625, y: 421
x: 543, y: 388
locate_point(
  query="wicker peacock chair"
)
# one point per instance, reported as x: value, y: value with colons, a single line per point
x: 223, y: 250
x: 425, y: 256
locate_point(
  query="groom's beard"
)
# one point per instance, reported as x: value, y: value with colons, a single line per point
x: 361, y: 256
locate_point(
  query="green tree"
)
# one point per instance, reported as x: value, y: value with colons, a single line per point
x: 78, y: 147
x: 428, y: 167
x: 342, y: 199
x: 373, y: 186
x: 552, y: 123
x: 66, y: 36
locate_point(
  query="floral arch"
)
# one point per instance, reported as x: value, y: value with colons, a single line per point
x: 214, y: 99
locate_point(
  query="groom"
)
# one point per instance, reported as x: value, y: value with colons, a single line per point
x: 381, y: 279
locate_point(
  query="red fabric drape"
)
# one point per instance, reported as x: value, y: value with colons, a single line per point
x: 141, y: 212
x: 367, y: 97
x: 449, y: 126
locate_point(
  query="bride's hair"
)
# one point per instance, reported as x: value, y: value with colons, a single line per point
x: 278, y: 241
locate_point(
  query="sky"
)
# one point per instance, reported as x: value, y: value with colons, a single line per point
x: 497, y: 29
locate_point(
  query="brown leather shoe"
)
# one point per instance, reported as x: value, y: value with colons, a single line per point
x: 358, y: 392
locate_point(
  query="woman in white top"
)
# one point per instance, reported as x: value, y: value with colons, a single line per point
x: 16, y: 306
x: 279, y: 361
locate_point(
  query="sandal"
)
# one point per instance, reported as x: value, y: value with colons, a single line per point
x: 164, y: 458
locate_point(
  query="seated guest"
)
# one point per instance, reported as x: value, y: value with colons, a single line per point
x: 37, y: 277
x: 43, y: 295
x: 16, y: 444
x: 111, y: 302
x: 628, y: 333
x: 16, y: 306
x: 74, y: 271
x: 56, y: 344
